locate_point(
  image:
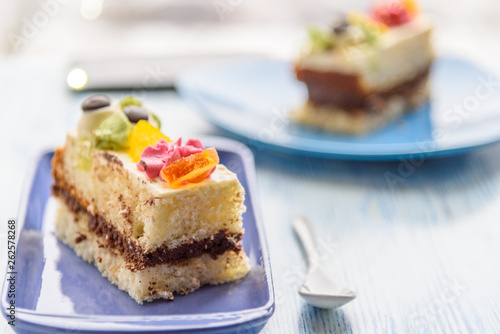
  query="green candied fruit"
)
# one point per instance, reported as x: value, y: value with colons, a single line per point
x: 85, y: 150
x: 156, y: 119
x: 130, y: 100
x: 371, y: 30
x: 320, y: 39
x: 113, y: 132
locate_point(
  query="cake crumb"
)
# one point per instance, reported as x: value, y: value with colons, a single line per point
x: 151, y: 200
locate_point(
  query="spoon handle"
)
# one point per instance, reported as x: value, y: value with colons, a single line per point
x: 303, y: 229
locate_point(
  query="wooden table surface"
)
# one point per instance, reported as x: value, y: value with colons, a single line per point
x: 423, y: 255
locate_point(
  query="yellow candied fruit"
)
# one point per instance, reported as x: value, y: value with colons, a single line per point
x: 142, y: 135
x: 192, y: 169
x: 412, y: 7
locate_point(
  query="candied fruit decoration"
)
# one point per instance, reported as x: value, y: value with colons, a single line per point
x: 394, y: 13
x: 320, y: 39
x: 143, y: 134
x: 113, y: 132
x: 130, y: 101
x: 412, y: 7
x: 370, y: 28
x: 192, y: 169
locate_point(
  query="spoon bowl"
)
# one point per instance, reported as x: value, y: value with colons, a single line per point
x: 318, y: 288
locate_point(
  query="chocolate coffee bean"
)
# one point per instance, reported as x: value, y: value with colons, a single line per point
x: 135, y: 113
x: 95, y: 102
x: 340, y: 27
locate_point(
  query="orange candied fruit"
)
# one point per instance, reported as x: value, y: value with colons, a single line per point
x: 143, y: 134
x: 192, y: 169
x: 412, y: 7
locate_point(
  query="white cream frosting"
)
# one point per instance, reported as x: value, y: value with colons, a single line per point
x: 90, y: 120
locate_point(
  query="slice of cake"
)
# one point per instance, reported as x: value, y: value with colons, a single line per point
x: 367, y: 70
x: 156, y: 217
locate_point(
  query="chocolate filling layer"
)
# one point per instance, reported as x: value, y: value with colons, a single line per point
x: 345, y: 91
x: 133, y: 253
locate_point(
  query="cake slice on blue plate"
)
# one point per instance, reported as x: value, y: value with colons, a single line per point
x: 367, y: 70
x: 156, y: 217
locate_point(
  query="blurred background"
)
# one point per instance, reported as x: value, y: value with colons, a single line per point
x: 178, y: 33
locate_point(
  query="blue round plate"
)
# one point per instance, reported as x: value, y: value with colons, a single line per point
x: 251, y: 100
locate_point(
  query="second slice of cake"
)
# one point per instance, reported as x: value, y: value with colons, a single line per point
x: 367, y: 70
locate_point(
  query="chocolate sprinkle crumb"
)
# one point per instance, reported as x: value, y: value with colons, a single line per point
x: 113, y: 159
x: 79, y: 238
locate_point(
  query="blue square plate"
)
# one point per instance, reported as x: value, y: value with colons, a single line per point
x: 56, y: 291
